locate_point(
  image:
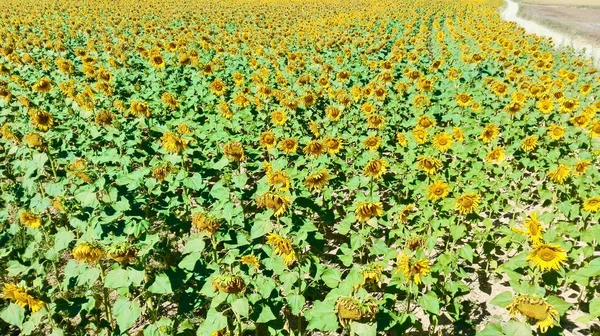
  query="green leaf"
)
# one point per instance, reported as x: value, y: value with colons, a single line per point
x: 321, y: 317
x: 13, y: 314
x: 62, y: 239
x: 195, y: 244
x: 161, y: 285
x: 332, y: 277
x: 266, y: 315
x: 296, y: 303
x: 430, y: 303
x: 189, y: 262
x: 559, y: 304
x: 502, y: 299
x: 117, y: 278
x: 241, y: 307
x: 194, y: 182
x: 126, y: 313
x: 493, y: 329
x: 214, y: 321
x: 364, y: 329
x: 595, y: 307
x: 261, y: 228
x: 514, y: 327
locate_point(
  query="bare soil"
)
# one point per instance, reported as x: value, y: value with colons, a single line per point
x: 563, y: 2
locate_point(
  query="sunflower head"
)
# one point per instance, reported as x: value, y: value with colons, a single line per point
x: 592, y: 204
x: 288, y: 145
x: 30, y: 219
x: 496, y: 155
x: 19, y: 295
x: 42, y: 120
x: 228, y: 283
x: 442, y: 141
x: 547, y: 256
x: 314, y: 148
x: 34, y: 140
x: 428, y: 164
x: 282, y: 247
x: 250, y: 260
x: 234, y: 151
x: 267, y: 139
x: 172, y: 143
x: 534, y: 309
x: 350, y: 309
x: 412, y: 268
x: 317, y: 180
x: 371, y: 274
x: 367, y: 210
x: 204, y: 222
x: 90, y: 253
x: 333, y: 145
x: 560, y: 174
x: 123, y: 253
x: 372, y: 142
x: 276, y: 202
x: 437, y: 190
x: 375, y: 168
x: 467, y: 203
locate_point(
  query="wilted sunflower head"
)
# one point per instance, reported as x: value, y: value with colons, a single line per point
x: 43, y: 85
x: 234, y: 151
x: 228, y: 283
x: 123, y: 253
x: 282, y: 247
x: 104, y: 118
x: 88, y: 253
x: 536, y: 310
x: 375, y: 168
x: 204, y: 222
x: 412, y: 269
x: 547, y: 256
x: 428, y: 164
x: 415, y: 243
x: 267, y: 139
x: 140, y: 109
x: 172, y: 143
x: 350, y: 309
x: 33, y: 140
x: 279, y: 180
x: 19, y: 295
x: 30, y: 219
x: 317, y: 180
x: 333, y: 145
x: 371, y: 274
x: 277, y: 203
x: 467, y: 203
x: 367, y: 210
x: 42, y: 120
x: 314, y: 148
x: 250, y: 260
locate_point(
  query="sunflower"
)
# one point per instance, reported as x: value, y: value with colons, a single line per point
x: 19, y: 295
x: 376, y: 121
x: 234, y: 151
x: 428, y: 164
x: 157, y: 61
x: 556, y: 132
x: 279, y: 180
x: 579, y: 169
x: 333, y: 113
x: 592, y: 204
x: 405, y: 212
x: 104, y: 118
x: 169, y: 100
x: 277, y: 203
x: 183, y: 129
x: 333, y: 145
x: 371, y: 274
x: 43, y: 85
x: 367, y: 210
x: 314, y: 148
x: 425, y: 122
x: 580, y: 121
x: 569, y: 105
x: 530, y: 143
x: 349, y: 309
x: 161, y: 173
x: 368, y: 108
x: 547, y: 256
x: 442, y: 141
x: 560, y: 174
x: 8, y: 134
x: 464, y: 99
x: 415, y: 243
x: 314, y: 128
x: 535, y: 309
x: 437, y: 190
x: 267, y: 139
x: 288, y: 145
x: 317, y: 180
x: 33, y: 140
x: 88, y: 253
x: 420, y: 135
x: 140, y: 109
x: 228, y: 283
x: 375, y: 168
x: 203, y: 222
x: 372, y: 142
x: 490, y: 132
x: 401, y: 139
x: 225, y: 110
x: 467, y: 203
x: 250, y: 260
x: 496, y: 155
x: 282, y: 247
x: 533, y: 228
x: 30, y: 219
x: 172, y: 143
x: 122, y: 253
x: 457, y: 134
x: 41, y: 120
x: 595, y: 129
x: 217, y: 87
x: 412, y: 269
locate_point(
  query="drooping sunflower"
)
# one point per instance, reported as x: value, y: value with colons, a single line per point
x: 420, y: 135
x: 403, y: 214
x: 438, y: 190
x: 496, y: 155
x: 592, y: 204
x: 88, y: 253
x: 467, y: 203
x: 530, y: 143
x: 279, y: 180
x: 458, y: 134
x: 104, y: 118
x: 376, y: 121
x: 314, y: 128
x: 533, y: 228
x: 367, y: 210
x: 547, y: 256
x: 536, y: 310
x: 314, y: 148
x: 371, y: 274
x: 250, y: 260
x: 401, y: 139
x: 123, y: 253
x: 581, y: 167
x: 19, y: 295
x: 375, y: 168
x: 276, y: 202
x: 234, y: 151
x: 333, y: 113
x: 333, y: 145
x: 288, y: 145
x: 34, y: 140
x: 30, y: 219
x: 595, y: 129
x: 350, y: 309
x: 428, y: 164
x: 169, y: 100
x: 204, y: 222
x: 412, y: 269
x: 140, y: 109
x: 172, y: 143
x: 42, y: 120
x: 372, y: 142
x: 442, y: 141
x: 560, y: 174
x: 43, y: 85
x: 282, y: 247
x: 228, y: 283
x: 415, y: 243
x: 317, y: 180
x: 490, y: 132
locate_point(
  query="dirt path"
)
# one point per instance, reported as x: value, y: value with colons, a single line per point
x: 560, y: 39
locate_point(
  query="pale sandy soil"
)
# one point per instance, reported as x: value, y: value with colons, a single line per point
x: 563, y: 2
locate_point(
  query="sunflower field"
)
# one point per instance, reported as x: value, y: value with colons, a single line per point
x: 269, y: 167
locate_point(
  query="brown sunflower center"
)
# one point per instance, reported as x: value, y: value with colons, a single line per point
x: 547, y: 254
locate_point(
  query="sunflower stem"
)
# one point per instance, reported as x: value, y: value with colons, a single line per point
x: 105, y: 297
x: 214, y: 247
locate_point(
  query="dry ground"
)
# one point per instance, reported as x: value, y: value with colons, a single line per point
x: 563, y: 2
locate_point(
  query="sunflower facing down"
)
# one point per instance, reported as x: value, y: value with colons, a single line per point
x: 88, y: 253
x: 203, y: 222
x: 279, y: 180
x: 467, y: 203
x: 172, y: 143
x: 234, y: 151
x: 496, y: 155
x: 250, y: 260
x: 375, y: 168
x: 317, y: 180
x: 282, y: 247
x: 536, y: 310
x: 41, y: 120
x: 228, y: 283
x: 30, y: 219
x: 371, y: 274
x: 547, y: 256
x: 412, y: 269
x: 428, y: 164
x: 560, y: 174
x: 333, y: 145
x: 349, y: 309
x: 367, y: 210
x: 277, y: 203
x: 19, y: 295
